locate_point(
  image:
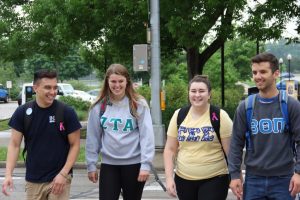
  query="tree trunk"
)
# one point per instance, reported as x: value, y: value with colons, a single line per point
x: 192, y: 57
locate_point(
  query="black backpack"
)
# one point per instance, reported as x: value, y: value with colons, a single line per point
x: 214, y: 113
x: 59, y: 119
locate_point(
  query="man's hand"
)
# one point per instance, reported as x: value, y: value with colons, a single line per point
x: 236, y: 186
x: 7, y: 185
x: 294, y: 187
x: 171, y: 187
x: 58, y: 184
x: 93, y: 176
x: 143, y: 176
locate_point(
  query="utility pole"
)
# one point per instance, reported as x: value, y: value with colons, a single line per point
x: 159, y: 129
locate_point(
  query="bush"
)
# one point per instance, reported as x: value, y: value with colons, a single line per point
x: 145, y: 91
x: 76, y: 103
x: 14, y: 92
x: 233, y: 96
x: 81, y: 107
x: 78, y: 85
x: 176, y: 97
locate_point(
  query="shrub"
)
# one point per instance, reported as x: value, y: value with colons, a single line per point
x: 145, y: 91
x: 233, y: 96
x: 76, y: 103
x: 78, y: 85
x: 81, y: 107
x: 176, y: 97
x: 14, y: 92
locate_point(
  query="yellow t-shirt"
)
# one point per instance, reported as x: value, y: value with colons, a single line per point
x: 200, y: 155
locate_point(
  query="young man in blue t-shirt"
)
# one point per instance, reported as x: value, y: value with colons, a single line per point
x: 52, y: 148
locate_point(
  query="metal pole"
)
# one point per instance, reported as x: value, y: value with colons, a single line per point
x: 222, y: 75
x: 257, y: 46
x: 289, y: 69
x: 159, y: 132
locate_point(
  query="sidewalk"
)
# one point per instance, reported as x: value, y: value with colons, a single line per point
x: 158, y: 162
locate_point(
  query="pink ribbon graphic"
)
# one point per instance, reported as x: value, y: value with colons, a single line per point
x: 214, y: 116
x: 61, y: 126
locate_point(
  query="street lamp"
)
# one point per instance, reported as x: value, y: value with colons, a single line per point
x: 280, y: 65
x: 289, y: 57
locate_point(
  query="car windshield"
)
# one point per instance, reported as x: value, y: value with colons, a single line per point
x: 68, y: 89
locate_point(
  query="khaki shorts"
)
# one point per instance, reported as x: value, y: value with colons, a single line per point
x: 42, y: 191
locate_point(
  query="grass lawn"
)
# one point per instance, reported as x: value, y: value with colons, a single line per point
x: 3, y: 151
x: 4, y: 125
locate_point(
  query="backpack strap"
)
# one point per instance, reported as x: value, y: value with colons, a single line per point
x: 182, y: 114
x: 29, y: 107
x: 214, y: 113
x: 59, y: 118
x: 283, y: 99
x: 283, y: 102
x: 103, y: 104
x: 249, y: 105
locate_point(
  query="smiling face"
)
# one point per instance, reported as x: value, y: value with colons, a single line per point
x: 199, y: 94
x: 117, y: 85
x: 264, y: 78
x: 46, y: 91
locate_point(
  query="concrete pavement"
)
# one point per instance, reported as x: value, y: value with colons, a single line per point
x: 5, y: 136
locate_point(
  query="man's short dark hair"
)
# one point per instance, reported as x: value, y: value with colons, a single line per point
x: 44, y: 73
x: 266, y: 57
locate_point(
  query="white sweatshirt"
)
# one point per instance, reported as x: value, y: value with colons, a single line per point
x: 121, y: 138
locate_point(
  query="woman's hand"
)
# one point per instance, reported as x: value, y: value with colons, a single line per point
x: 93, y: 176
x: 143, y: 176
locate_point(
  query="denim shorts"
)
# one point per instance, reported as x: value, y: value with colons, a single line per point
x: 267, y: 187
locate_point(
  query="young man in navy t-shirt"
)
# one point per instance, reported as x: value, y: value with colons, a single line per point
x: 51, y: 148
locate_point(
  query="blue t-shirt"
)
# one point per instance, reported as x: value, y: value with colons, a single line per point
x: 47, y: 146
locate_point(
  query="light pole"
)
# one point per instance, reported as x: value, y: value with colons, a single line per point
x: 280, y: 65
x: 289, y: 57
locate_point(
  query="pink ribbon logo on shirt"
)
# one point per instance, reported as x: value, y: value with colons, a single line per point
x: 61, y: 126
x: 214, y: 116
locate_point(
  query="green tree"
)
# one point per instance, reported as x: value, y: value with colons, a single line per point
x: 110, y: 28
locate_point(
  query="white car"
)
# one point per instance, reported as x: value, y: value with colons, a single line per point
x: 27, y: 93
x: 94, y: 92
x: 83, y: 95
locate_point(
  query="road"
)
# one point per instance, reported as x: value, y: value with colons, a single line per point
x: 83, y: 189
x: 7, y: 109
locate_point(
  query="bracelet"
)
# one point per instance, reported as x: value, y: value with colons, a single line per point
x: 63, y: 175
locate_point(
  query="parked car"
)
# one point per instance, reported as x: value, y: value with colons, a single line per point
x: 19, y: 98
x: 94, y: 92
x: 83, y: 95
x: 3, y: 94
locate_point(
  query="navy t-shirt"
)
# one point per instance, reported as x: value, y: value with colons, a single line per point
x: 47, y: 146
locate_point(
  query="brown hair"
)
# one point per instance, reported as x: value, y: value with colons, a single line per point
x: 266, y: 57
x: 105, y: 92
x: 43, y: 73
x: 200, y: 78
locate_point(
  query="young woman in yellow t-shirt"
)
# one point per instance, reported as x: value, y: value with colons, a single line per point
x: 200, y: 166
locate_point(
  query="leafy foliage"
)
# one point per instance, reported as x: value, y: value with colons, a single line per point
x: 81, y: 107
x: 200, y: 28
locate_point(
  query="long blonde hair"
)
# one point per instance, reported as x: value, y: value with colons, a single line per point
x: 105, y: 92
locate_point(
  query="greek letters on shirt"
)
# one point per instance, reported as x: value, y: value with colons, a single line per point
x: 51, y: 119
x: 117, y: 124
x: 204, y: 134
x: 267, y: 126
